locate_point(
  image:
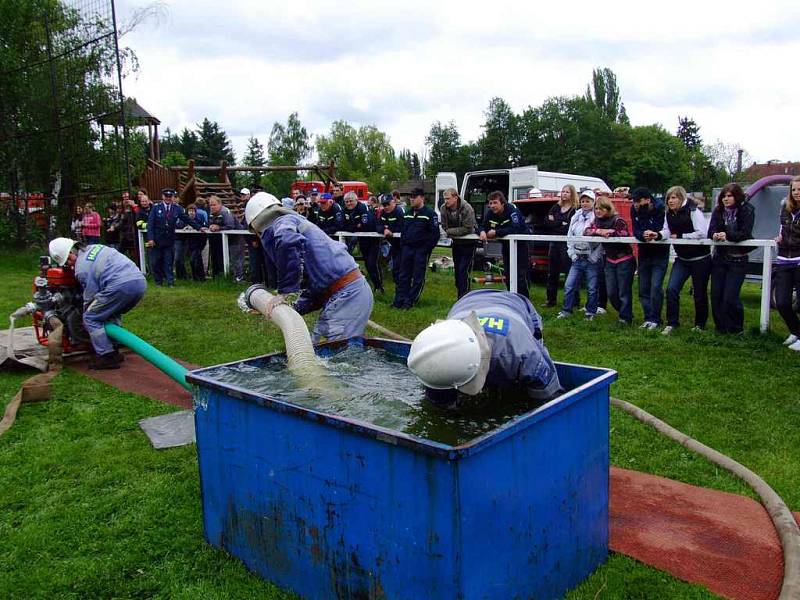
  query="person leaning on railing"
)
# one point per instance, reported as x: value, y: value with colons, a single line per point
x: 458, y: 219
x: 786, y: 268
x: 731, y: 221
x: 557, y: 223
x: 685, y: 221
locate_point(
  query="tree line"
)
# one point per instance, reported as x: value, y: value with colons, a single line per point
x: 588, y: 134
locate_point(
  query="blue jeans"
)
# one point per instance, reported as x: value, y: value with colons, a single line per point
x: 652, y: 270
x: 161, y: 258
x: 581, y: 269
x: 109, y: 305
x: 345, y: 314
x: 619, y: 283
x: 727, y: 277
x: 699, y: 271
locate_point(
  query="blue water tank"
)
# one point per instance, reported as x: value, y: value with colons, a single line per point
x: 331, y: 507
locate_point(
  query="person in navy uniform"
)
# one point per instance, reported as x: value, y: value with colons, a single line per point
x: 491, y: 338
x: 112, y: 285
x: 359, y: 218
x: 502, y: 219
x: 419, y: 238
x: 165, y: 217
x: 390, y: 223
x: 329, y: 216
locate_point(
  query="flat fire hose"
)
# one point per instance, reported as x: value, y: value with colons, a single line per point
x: 782, y: 518
x: 37, y: 388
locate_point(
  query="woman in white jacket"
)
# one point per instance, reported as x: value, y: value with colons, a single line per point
x: 586, y: 260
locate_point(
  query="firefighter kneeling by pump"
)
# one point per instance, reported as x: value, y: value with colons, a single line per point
x: 112, y: 285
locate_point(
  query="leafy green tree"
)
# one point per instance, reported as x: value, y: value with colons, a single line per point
x: 603, y: 92
x: 288, y: 144
x: 446, y: 152
x: 416, y: 167
x: 689, y: 133
x: 213, y: 145
x: 362, y: 154
x: 254, y: 157
x: 500, y: 143
x: 188, y: 144
x: 651, y: 157
x: 174, y: 158
x: 725, y: 158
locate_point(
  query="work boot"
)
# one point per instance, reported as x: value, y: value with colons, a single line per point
x: 103, y: 362
x: 117, y: 356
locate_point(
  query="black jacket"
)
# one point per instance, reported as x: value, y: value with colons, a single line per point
x: 790, y: 234
x: 737, y: 229
x: 649, y: 218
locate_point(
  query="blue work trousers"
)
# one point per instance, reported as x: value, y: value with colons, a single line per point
x: 699, y: 270
x: 413, y: 264
x: 652, y: 270
x: 582, y: 269
x: 255, y: 257
x: 345, y: 313
x: 109, y: 305
x: 727, y: 277
x: 161, y: 259
x: 463, y: 257
x: 619, y: 284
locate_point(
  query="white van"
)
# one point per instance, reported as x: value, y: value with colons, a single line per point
x: 514, y: 183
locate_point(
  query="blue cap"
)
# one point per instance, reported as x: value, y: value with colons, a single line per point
x: 326, y: 196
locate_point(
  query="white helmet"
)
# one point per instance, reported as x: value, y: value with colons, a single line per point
x: 257, y: 204
x: 451, y: 354
x: 60, y: 249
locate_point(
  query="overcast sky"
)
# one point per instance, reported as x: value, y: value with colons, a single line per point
x: 731, y: 66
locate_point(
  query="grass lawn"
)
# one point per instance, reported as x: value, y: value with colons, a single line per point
x: 88, y: 509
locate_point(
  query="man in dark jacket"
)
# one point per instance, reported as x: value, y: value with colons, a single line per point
x: 164, y: 218
x: 419, y: 238
x: 358, y: 218
x: 391, y: 222
x: 647, y: 216
x: 458, y: 219
x: 504, y: 219
x: 329, y: 217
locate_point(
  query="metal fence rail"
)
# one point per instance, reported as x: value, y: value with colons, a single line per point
x: 766, y: 270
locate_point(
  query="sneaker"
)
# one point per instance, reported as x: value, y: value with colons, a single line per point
x: 795, y: 346
x: 697, y: 329
x: 790, y: 340
x: 667, y: 330
x: 652, y: 326
x: 646, y: 325
x: 589, y: 317
x: 623, y: 322
x: 601, y: 310
x: 563, y: 315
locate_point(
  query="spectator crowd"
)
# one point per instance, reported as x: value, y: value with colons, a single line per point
x: 175, y: 235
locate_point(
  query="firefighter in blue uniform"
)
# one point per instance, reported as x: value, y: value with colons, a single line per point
x: 419, y: 238
x: 165, y: 217
x: 491, y: 338
x: 391, y: 222
x: 502, y: 219
x: 329, y: 216
x: 112, y: 285
x: 359, y: 218
x: 309, y: 262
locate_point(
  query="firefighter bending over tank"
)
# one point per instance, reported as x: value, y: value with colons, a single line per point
x: 491, y: 338
x: 309, y: 262
x: 112, y: 285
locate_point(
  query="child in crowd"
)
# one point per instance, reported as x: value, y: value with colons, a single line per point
x: 586, y: 260
x: 620, y: 263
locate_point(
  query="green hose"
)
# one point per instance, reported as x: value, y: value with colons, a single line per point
x: 149, y: 353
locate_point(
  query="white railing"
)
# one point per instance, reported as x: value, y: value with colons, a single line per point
x: 766, y: 268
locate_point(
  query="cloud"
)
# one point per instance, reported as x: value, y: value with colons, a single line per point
x: 247, y: 64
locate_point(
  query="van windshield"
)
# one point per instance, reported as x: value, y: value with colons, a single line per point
x: 478, y: 188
